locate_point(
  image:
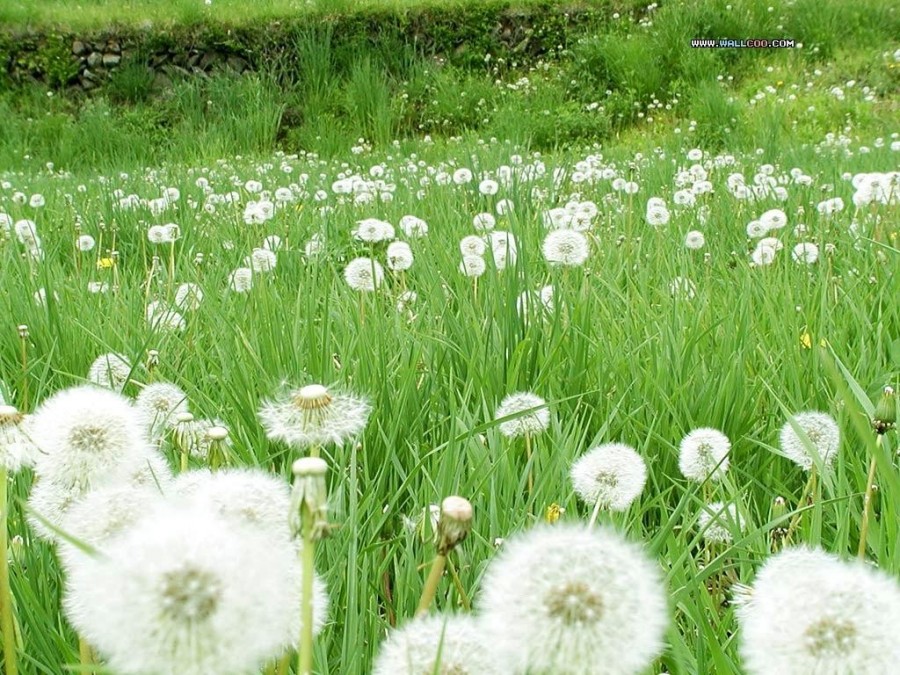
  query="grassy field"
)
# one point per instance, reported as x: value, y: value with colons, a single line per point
x: 656, y: 333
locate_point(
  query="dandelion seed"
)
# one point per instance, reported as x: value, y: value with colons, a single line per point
x: 611, y: 475
x: 532, y: 415
x: 313, y: 416
x: 810, y: 612
x: 703, y: 454
x: 823, y: 433
x: 565, y: 600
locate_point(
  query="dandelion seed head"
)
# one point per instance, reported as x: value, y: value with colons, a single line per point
x: 566, y: 600
x: 566, y: 248
x: 110, y: 370
x: 703, y: 454
x: 821, y: 430
x: 810, y: 612
x: 612, y: 474
x: 364, y: 274
x: 446, y: 645
x: 313, y: 415
x: 718, y: 521
x: 533, y: 417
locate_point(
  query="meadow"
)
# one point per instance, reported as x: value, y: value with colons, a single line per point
x: 674, y: 290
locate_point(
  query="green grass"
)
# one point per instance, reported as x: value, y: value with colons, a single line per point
x: 93, y: 14
x: 619, y: 359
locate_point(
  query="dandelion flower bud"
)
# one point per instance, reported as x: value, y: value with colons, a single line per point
x: 364, y: 274
x: 824, y: 439
x: 437, y: 644
x: 718, y: 522
x: 310, y: 493
x: 566, y: 248
x: 612, y: 475
x: 565, y: 600
x: 16, y: 448
x: 529, y: 414
x: 810, y: 612
x: 703, y: 454
x: 184, y: 592
x: 312, y: 415
x: 885, y: 417
x: 455, y: 523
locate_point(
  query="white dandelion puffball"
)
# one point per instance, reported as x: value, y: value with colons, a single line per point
x: 774, y: 219
x: 413, y: 226
x: 484, y: 222
x: 763, y: 255
x: 718, y: 522
x: 85, y: 243
x: 188, y: 297
x: 83, y: 434
x: 805, y: 253
x: 810, y: 612
x: 262, y: 260
x: 703, y: 454
x: 16, y: 447
x: 566, y: 247
x: 503, y: 248
x: 185, y: 593
x: 399, y: 256
x: 472, y: 265
x: 247, y: 497
x: 694, y: 240
x: 312, y: 415
x: 531, y: 415
x: 437, y: 644
x: 612, y: 475
x: 566, y: 600
x: 657, y: 215
x: 50, y: 501
x: 110, y: 370
x: 102, y: 515
x: 472, y: 245
x: 241, y: 280
x: 159, y: 405
x: 756, y: 229
x: 364, y: 274
x: 372, y: 230
x: 823, y: 433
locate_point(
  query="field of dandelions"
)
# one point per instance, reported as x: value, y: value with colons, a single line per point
x: 456, y: 408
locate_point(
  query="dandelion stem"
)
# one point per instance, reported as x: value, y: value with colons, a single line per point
x: 867, y: 504
x: 6, y: 607
x: 528, y: 461
x: 457, y: 582
x: 307, y: 556
x: 808, y: 492
x: 594, y: 514
x: 85, y: 656
x: 23, y: 355
x: 431, y: 584
x: 284, y: 665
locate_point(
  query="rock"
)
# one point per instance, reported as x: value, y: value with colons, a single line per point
x: 113, y: 47
x: 237, y: 64
x: 207, y: 61
x: 94, y: 59
x: 110, y: 60
x: 79, y: 48
x: 89, y: 75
